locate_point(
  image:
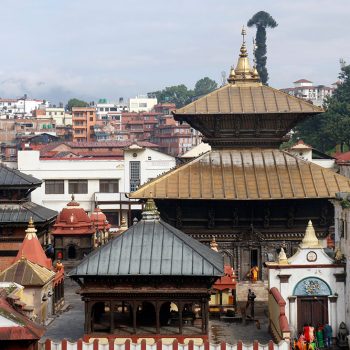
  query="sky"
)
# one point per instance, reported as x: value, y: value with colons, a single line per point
x: 60, y: 49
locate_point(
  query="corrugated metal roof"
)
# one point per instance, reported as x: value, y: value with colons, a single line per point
x: 151, y: 247
x: 14, y: 178
x: 22, y: 212
x: 26, y: 273
x: 252, y: 99
x: 255, y: 174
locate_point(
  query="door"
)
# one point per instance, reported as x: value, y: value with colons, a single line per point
x: 312, y: 310
x: 250, y: 257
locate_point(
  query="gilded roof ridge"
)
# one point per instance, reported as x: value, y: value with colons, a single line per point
x: 185, y: 109
x: 170, y: 171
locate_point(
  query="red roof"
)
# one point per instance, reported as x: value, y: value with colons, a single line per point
x: 26, y: 329
x: 99, y: 219
x: 32, y: 250
x: 73, y: 220
x: 342, y: 157
x: 302, y: 81
x: 226, y: 282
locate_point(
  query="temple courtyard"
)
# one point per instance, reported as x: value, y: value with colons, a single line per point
x: 70, y: 323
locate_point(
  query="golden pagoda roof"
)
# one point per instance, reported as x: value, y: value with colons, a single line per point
x: 251, y: 98
x: 245, y: 94
x: 246, y: 174
x: 26, y: 273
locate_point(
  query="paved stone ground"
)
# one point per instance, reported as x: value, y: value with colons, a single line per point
x: 70, y: 324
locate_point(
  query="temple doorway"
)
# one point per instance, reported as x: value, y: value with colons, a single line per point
x: 72, y: 252
x: 312, y: 310
x: 250, y: 257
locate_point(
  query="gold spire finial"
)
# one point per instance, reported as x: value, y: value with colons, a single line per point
x: 213, y: 244
x: 243, y: 73
x: 31, y: 230
x: 310, y: 240
x: 72, y: 196
x: 150, y: 211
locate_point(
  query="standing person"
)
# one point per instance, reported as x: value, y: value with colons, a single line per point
x: 328, y: 333
x: 319, y: 336
x: 251, y: 300
x: 309, y: 335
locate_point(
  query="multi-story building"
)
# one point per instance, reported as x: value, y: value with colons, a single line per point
x: 174, y: 138
x: 141, y: 104
x: 94, y: 179
x: 305, y: 89
x: 12, y: 108
x: 83, y: 120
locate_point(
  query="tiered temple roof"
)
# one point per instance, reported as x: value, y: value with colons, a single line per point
x: 73, y: 220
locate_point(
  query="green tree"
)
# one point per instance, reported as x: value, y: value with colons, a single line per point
x: 178, y: 94
x: 332, y: 128
x: 204, y: 86
x: 74, y: 102
x: 261, y: 20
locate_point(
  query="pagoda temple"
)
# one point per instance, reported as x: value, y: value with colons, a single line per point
x: 152, y: 281
x: 15, y: 211
x: 249, y: 194
x: 101, y: 225
x: 73, y: 233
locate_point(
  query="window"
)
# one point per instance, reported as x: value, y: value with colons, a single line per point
x: 54, y: 187
x: 91, y: 113
x: 109, y: 186
x: 142, y: 104
x: 91, y: 119
x: 134, y: 175
x: 77, y: 186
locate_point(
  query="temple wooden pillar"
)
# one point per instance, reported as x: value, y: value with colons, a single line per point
x: 111, y: 310
x: 157, y: 307
x: 88, y: 322
x: 180, y: 316
x: 134, y: 313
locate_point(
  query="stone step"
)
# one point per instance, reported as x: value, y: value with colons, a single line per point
x: 260, y: 288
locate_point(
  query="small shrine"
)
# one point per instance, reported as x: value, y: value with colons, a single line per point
x: 73, y: 233
x: 101, y: 225
x: 311, y: 283
x: 151, y: 282
x: 43, y: 283
x: 223, y: 299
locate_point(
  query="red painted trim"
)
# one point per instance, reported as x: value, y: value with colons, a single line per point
x: 206, y: 345
x: 95, y: 344
x: 64, y: 344
x: 223, y: 346
x: 191, y: 345
x: 277, y: 296
x: 256, y: 345
x: 127, y: 344
x: 239, y: 345
x: 271, y: 345
x: 175, y: 345
x: 111, y: 344
x: 48, y: 344
x: 159, y: 345
x: 80, y: 344
x: 281, y: 267
x: 143, y: 344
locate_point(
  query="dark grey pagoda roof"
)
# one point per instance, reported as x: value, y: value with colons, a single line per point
x: 151, y: 248
x: 21, y: 212
x: 12, y: 178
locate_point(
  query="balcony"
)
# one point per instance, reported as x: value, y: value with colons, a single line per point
x: 116, y: 201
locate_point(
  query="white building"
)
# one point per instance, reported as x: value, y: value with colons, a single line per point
x: 19, y: 107
x: 310, y: 154
x: 305, y: 89
x: 312, y: 285
x: 141, y: 104
x: 105, y: 183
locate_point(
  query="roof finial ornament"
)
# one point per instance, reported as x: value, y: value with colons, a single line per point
x: 72, y: 196
x: 31, y: 230
x: 214, y: 245
x: 282, y: 257
x: 150, y: 211
x: 310, y: 240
